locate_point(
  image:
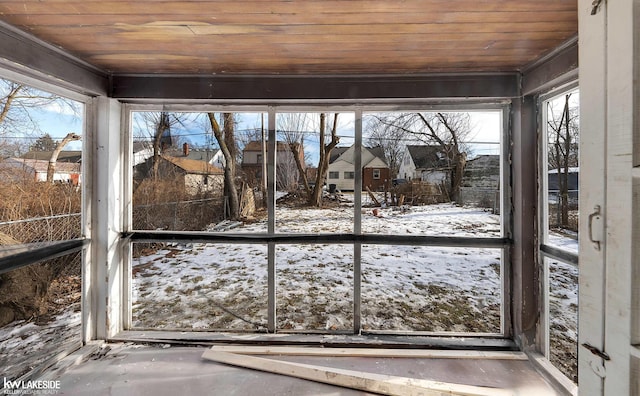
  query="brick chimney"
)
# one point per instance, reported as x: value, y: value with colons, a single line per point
x: 185, y: 149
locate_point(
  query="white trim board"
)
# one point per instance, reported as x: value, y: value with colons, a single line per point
x: 370, y: 382
x: 369, y: 352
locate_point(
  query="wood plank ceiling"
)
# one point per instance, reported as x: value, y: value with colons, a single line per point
x: 299, y: 36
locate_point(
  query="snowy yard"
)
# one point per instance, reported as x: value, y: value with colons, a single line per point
x: 404, y: 288
x: 26, y: 344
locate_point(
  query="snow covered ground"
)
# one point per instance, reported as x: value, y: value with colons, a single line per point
x: 404, y: 288
x: 202, y: 287
x: 25, y: 345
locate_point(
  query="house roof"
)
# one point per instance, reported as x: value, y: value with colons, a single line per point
x: 299, y: 36
x: 336, y: 153
x: 426, y: 157
x: 194, y: 153
x: 194, y: 166
x: 64, y: 156
x: 41, y: 166
x: 202, y: 154
x: 485, y: 160
x: 378, y: 152
x: 255, y: 145
x: 339, y: 153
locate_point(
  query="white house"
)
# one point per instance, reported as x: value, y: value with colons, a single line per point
x: 424, y: 163
x: 341, y: 172
x: 66, y: 172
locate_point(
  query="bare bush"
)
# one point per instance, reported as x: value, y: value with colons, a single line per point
x: 420, y: 193
x: 24, y: 293
x: 164, y: 204
x: 28, y: 199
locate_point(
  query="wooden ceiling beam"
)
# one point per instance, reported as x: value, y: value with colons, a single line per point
x: 27, y: 55
x: 353, y: 88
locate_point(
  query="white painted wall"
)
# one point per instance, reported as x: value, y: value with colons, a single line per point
x: 433, y: 176
x: 407, y: 167
x: 194, y: 184
x: 341, y: 167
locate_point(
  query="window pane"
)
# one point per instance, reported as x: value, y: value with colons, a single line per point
x: 411, y: 288
x: 563, y: 169
x: 560, y: 197
x: 38, y: 201
x: 314, y: 287
x: 199, y: 286
x: 179, y: 170
x: 446, y: 163
x: 327, y: 205
x: 39, y: 313
x: 563, y: 317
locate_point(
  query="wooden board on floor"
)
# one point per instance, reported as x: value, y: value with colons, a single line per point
x: 369, y: 382
x: 369, y: 352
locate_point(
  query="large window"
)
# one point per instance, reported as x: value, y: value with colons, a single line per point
x: 309, y: 250
x: 559, y: 173
x: 41, y: 194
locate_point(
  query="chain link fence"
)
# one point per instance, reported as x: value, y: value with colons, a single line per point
x: 47, y: 229
x: 42, y: 229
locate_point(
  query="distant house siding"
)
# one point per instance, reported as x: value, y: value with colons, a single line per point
x: 407, y: 167
x: 194, y: 183
x: 342, y: 183
x: 481, y: 181
x: 435, y: 176
x: 18, y: 168
x: 287, y: 174
x: 375, y: 184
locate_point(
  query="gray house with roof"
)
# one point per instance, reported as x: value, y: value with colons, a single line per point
x: 424, y: 163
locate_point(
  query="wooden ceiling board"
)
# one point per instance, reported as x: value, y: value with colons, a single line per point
x: 299, y: 36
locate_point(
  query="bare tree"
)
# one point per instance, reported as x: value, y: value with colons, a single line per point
x: 287, y: 173
x: 12, y: 147
x: 563, y: 132
x: 162, y: 126
x: 391, y: 138
x: 226, y: 140
x: 51, y: 168
x: 18, y: 101
x: 315, y: 199
x: 155, y: 129
x: 446, y: 130
x: 291, y: 128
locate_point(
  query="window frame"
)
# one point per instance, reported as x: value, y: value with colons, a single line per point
x: 546, y: 250
x: 357, y: 239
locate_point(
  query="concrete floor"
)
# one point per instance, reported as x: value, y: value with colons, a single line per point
x: 129, y: 369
